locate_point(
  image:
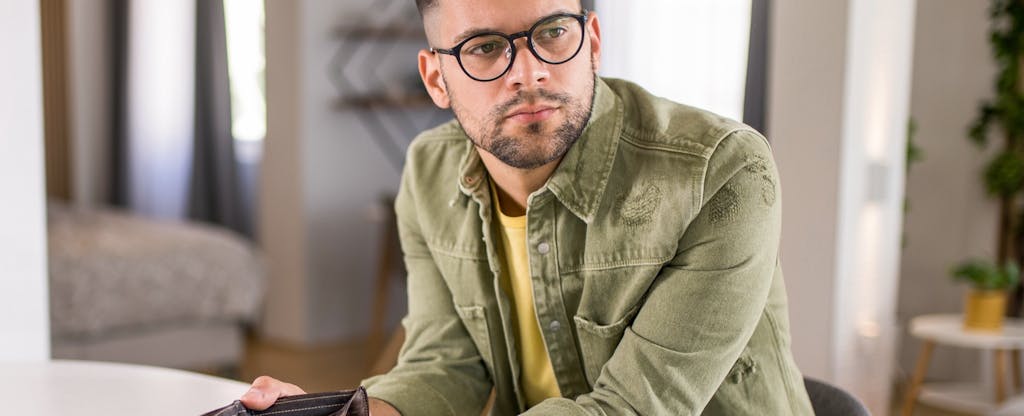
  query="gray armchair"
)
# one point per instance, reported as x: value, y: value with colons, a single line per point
x: 829, y: 400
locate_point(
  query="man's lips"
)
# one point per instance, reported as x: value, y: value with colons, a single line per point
x: 532, y: 114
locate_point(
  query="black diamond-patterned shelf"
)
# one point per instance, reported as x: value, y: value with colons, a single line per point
x: 375, y: 75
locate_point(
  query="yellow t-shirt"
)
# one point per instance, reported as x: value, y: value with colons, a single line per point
x: 536, y: 376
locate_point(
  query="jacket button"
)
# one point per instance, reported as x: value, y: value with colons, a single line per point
x: 555, y: 326
x: 543, y: 248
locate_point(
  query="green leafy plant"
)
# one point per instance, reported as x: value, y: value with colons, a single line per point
x: 983, y: 275
x: 914, y: 152
x: 1003, y: 116
x: 914, y: 155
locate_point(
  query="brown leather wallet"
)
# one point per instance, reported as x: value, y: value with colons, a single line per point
x: 335, y: 403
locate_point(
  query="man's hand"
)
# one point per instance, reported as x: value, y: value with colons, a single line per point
x: 266, y: 390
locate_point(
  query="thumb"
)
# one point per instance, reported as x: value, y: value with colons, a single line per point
x: 256, y: 399
x: 265, y: 391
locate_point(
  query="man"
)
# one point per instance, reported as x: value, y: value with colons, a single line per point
x: 576, y: 244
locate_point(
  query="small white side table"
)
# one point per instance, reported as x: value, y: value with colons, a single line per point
x: 87, y: 388
x: 969, y: 398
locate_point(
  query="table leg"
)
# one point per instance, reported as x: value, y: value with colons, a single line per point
x: 915, y: 382
x: 1000, y: 375
x: 1015, y: 362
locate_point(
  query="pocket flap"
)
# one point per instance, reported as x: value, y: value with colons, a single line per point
x: 470, y: 312
x: 606, y: 330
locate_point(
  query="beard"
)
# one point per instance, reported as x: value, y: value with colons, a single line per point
x: 533, y: 147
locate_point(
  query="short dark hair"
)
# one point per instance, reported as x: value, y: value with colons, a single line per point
x: 424, y: 5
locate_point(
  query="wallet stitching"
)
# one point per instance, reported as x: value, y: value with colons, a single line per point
x: 301, y: 409
x: 359, y: 400
x: 294, y: 399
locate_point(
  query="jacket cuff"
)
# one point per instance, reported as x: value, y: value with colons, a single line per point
x: 410, y: 397
x: 557, y: 406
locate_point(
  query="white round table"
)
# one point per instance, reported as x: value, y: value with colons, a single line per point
x: 947, y: 329
x: 85, y: 388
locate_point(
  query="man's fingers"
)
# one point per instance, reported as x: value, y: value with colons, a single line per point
x: 266, y: 390
x: 256, y: 399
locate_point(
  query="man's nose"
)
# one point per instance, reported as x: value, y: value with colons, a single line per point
x: 526, y: 70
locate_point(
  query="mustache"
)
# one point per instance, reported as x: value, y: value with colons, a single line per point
x: 531, y: 96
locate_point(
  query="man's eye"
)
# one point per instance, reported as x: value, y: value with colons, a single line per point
x: 484, y: 48
x: 553, y: 32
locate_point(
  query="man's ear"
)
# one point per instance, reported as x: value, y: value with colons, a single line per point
x: 430, y: 72
x: 594, y: 29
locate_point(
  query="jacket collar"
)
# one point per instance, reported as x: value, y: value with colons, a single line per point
x: 580, y: 180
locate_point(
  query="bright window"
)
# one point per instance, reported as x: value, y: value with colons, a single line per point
x: 246, y: 68
x: 689, y: 51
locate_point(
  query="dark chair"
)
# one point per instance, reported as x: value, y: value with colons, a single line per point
x: 829, y: 400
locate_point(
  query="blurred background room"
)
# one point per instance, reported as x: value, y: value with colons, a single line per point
x: 207, y: 185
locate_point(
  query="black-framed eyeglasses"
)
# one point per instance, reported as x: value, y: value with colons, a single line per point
x: 487, y: 56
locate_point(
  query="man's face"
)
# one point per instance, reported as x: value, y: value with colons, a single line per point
x: 532, y: 114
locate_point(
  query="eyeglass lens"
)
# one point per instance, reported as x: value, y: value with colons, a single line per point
x: 554, y: 40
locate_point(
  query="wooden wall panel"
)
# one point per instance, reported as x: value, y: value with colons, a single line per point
x: 55, y: 99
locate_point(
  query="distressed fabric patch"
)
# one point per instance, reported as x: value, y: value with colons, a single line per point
x: 759, y: 166
x: 638, y: 207
x: 724, y: 206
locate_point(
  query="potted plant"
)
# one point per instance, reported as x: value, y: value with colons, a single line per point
x: 985, y: 305
x: 1003, y: 116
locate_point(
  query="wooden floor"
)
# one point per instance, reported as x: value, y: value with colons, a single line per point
x: 927, y: 411
x: 315, y: 369
x: 923, y: 410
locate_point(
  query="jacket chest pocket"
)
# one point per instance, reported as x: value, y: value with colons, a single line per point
x: 474, y: 318
x: 598, y: 341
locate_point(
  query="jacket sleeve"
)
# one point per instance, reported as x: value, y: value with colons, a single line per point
x: 704, y: 305
x: 439, y: 370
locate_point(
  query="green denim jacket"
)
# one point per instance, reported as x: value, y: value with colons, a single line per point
x: 653, y: 253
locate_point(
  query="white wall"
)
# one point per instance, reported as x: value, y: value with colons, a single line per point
x: 281, y: 214
x: 876, y: 108
x: 322, y: 174
x: 689, y: 51
x: 805, y: 103
x: 25, y: 327
x: 838, y: 91
x: 950, y: 217
x: 344, y: 175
